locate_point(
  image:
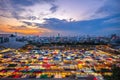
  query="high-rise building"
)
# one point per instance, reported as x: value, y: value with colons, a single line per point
x: 4, y: 38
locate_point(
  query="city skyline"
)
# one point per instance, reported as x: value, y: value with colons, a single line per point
x: 67, y: 17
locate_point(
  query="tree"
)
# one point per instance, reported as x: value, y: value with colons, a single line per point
x: 115, y: 72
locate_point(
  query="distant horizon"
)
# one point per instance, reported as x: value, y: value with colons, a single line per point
x: 55, y: 35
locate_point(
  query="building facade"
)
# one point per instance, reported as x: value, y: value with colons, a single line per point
x: 4, y: 38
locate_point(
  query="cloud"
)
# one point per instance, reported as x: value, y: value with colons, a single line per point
x: 113, y: 20
x: 113, y: 29
x: 94, y: 26
x: 30, y: 2
x: 28, y: 23
x: 64, y: 16
x: 110, y: 30
x: 110, y: 7
x: 23, y: 2
x: 53, y: 8
x: 40, y: 9
x: 17, y: 27
x: 17, y: 8
x: 23, y: 30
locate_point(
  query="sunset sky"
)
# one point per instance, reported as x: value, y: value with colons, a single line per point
x: 67, y: 17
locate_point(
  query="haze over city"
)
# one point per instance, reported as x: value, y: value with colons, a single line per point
x: 67, y: 17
